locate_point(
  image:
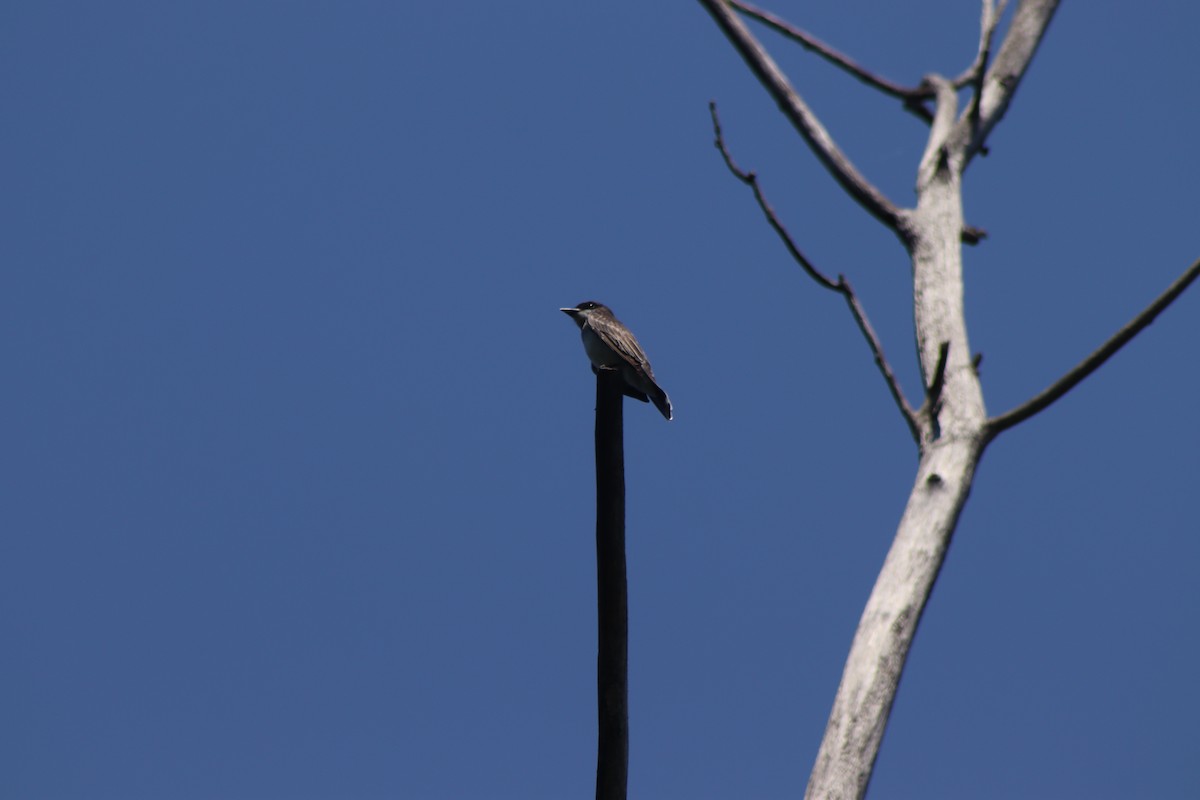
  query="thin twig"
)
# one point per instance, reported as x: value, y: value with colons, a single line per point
x: 841, y: 285
x: 911, y: 95
x: 803, y: 120
x: 977, y: 72
x: 751, y: 180
x: 1004, y: 73
x: 933, y: 393
x: 972, y: 234
x: 985, y: 48
x: 989, y: 21
x: 860, y: 316
x: 1084, y: 368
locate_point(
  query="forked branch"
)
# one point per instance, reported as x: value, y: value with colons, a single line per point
x: 803, y: 119
x: 1069, y: 381
x: 998, y: 84
x: 841, y: 285
x: 989, y: 20
x: 975, y: 73
x: 911, y: 95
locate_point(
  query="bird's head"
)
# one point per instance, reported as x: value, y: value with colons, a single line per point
x: 585, y: 310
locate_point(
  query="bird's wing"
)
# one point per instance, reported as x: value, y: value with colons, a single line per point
x: 624, y: 345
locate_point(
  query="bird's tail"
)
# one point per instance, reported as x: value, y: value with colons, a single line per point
x: 661, y: 401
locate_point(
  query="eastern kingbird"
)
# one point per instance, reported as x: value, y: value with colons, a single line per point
x: 610, y: 345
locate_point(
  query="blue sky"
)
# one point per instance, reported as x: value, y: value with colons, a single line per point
x: 297, y: 447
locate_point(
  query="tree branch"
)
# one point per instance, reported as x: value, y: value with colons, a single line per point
x: 937, y: 154
x: 973, y: 235
x: 974, y: 75
x: 841, y: 285
x: 1083, y: 369
x: 860, y: 316
x: 751, y: 180
x: 911, y: 95
x: 803, y: 119
x: 1000, y: 81
x: 933, y: 393
x: 989, y: 21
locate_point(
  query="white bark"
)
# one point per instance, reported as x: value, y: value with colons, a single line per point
x: 953, y: 435
x: 889, y: 622
x: 952, y: 427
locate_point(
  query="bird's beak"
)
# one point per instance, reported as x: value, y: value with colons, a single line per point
x: 569, y: 311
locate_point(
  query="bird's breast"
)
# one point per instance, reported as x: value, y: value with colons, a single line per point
x: 597, y: 351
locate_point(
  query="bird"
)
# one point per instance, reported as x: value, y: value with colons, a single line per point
x: 610, y: 345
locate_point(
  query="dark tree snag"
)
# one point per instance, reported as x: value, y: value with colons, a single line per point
x: 612, y: 659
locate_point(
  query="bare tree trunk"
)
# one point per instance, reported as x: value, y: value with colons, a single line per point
x: 952, y: 439
x: 951, y: 427
x: 889, y: 622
